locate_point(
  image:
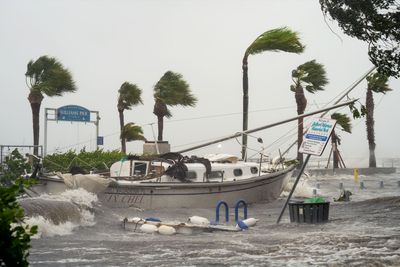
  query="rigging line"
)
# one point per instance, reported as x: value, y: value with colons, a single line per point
x: 185, y: 119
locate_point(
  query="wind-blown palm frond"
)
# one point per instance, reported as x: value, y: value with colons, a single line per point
x: 311, y: 75
x: 173, y: 90
x: 170, y: 90
x: 343, y: 121
x: 378, y: 83
x: 45, y: 76
x: 129, y: 95
x: 48, y: 76
x: 280, y: 39
x: 132, y: 132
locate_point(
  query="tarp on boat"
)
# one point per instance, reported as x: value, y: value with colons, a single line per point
x: 93, y: 183
x: 222, y: 158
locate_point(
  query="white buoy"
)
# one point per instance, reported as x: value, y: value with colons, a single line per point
x: 148, y: 228
x: 166, y: 230
x: 250, y: 221
x: 199, y: 220
x: 135, y: 220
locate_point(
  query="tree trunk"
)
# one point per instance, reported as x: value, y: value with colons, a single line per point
x: 301, y: 102
x: 160, y: 127
x: 335, y: 150
x: 35, y: 99
x: 245, y: 104
x: 370, y: 128
x: 121, y: 124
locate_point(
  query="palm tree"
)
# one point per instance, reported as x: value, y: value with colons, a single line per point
x: 377, y: 83
x: 344, y: 122
x: 170, y: 90
x: 280, y: 39
x: 131, y: 132
x: 45, y: 76
x: 129, y: 96
x: 312, y: 77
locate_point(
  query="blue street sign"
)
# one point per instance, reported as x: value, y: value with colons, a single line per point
x: 100, y: 140
x: 73, y: 113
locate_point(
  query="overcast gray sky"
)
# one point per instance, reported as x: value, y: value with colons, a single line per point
x: 105, y: 43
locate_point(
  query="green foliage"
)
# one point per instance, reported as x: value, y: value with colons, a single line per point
x: 356, y: 112
x: 48, y: 76
x: 129, y: 95
x: 99, y: 160
x: 13, y: 167
x: 312, y: 75
x: 376, y: 22
x: 378, y: 83
x: 14, y: 236
x: 173, y: 90
x: 343, y: 121
x: 132, y: 132
x: 280, y: 39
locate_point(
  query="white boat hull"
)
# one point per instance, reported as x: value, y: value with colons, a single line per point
x: 154, y: 195
x: 196, y: 195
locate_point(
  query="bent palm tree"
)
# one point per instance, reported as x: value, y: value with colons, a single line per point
x: 131, y: 132
x: 377, y: 83
x: 170, y: 90
x: 344, y: 122
x: 312, y: 77
x: 45, y: 76
x: 280, y: 39
x: 129, y: 96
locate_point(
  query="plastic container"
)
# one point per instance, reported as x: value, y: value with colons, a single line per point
x: 301, y: 212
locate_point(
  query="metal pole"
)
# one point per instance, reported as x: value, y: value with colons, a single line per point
x: 155, y: 139
x: 294, y: 187
x: 267, y: 126
x: 97, y: 129
x: 45, y: 133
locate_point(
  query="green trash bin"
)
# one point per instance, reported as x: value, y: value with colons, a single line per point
x: 312, y: 212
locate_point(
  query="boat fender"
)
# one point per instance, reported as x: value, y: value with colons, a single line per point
x: 134, y: 220
x: 245, y: 224
x: 166, y: 230
x: 250, y: 222
x: 148, y: 228
x: 199, y: 220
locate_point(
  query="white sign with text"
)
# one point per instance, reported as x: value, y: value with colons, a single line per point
x: 317, y: 136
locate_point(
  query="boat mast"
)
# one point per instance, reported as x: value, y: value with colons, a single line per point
x: 268, y: 126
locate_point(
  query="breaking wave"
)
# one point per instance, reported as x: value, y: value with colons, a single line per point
x: 60, y: 214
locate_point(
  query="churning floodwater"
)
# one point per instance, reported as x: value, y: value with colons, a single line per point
x: 75, y: 230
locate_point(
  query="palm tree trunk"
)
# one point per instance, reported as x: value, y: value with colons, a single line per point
x: 335, y: 150
x: 370, y: 128
x: 301, y: 102
x: 160, y: 127
x: 245, y: 103
x: 35, y: 99
x: 121, y: 124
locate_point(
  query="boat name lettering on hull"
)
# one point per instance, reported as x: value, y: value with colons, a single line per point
x: 130, y: 199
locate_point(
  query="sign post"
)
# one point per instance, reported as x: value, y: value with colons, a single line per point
x: 71, y: 113
x: 314, y: 143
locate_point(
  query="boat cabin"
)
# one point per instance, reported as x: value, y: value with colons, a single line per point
x: 196, y: 172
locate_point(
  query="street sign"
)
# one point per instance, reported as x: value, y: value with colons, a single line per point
x: 73, y: 113
x: 100, y: 140
x: 317, y: 136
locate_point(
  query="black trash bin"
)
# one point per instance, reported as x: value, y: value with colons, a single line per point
x: 301, y: 212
